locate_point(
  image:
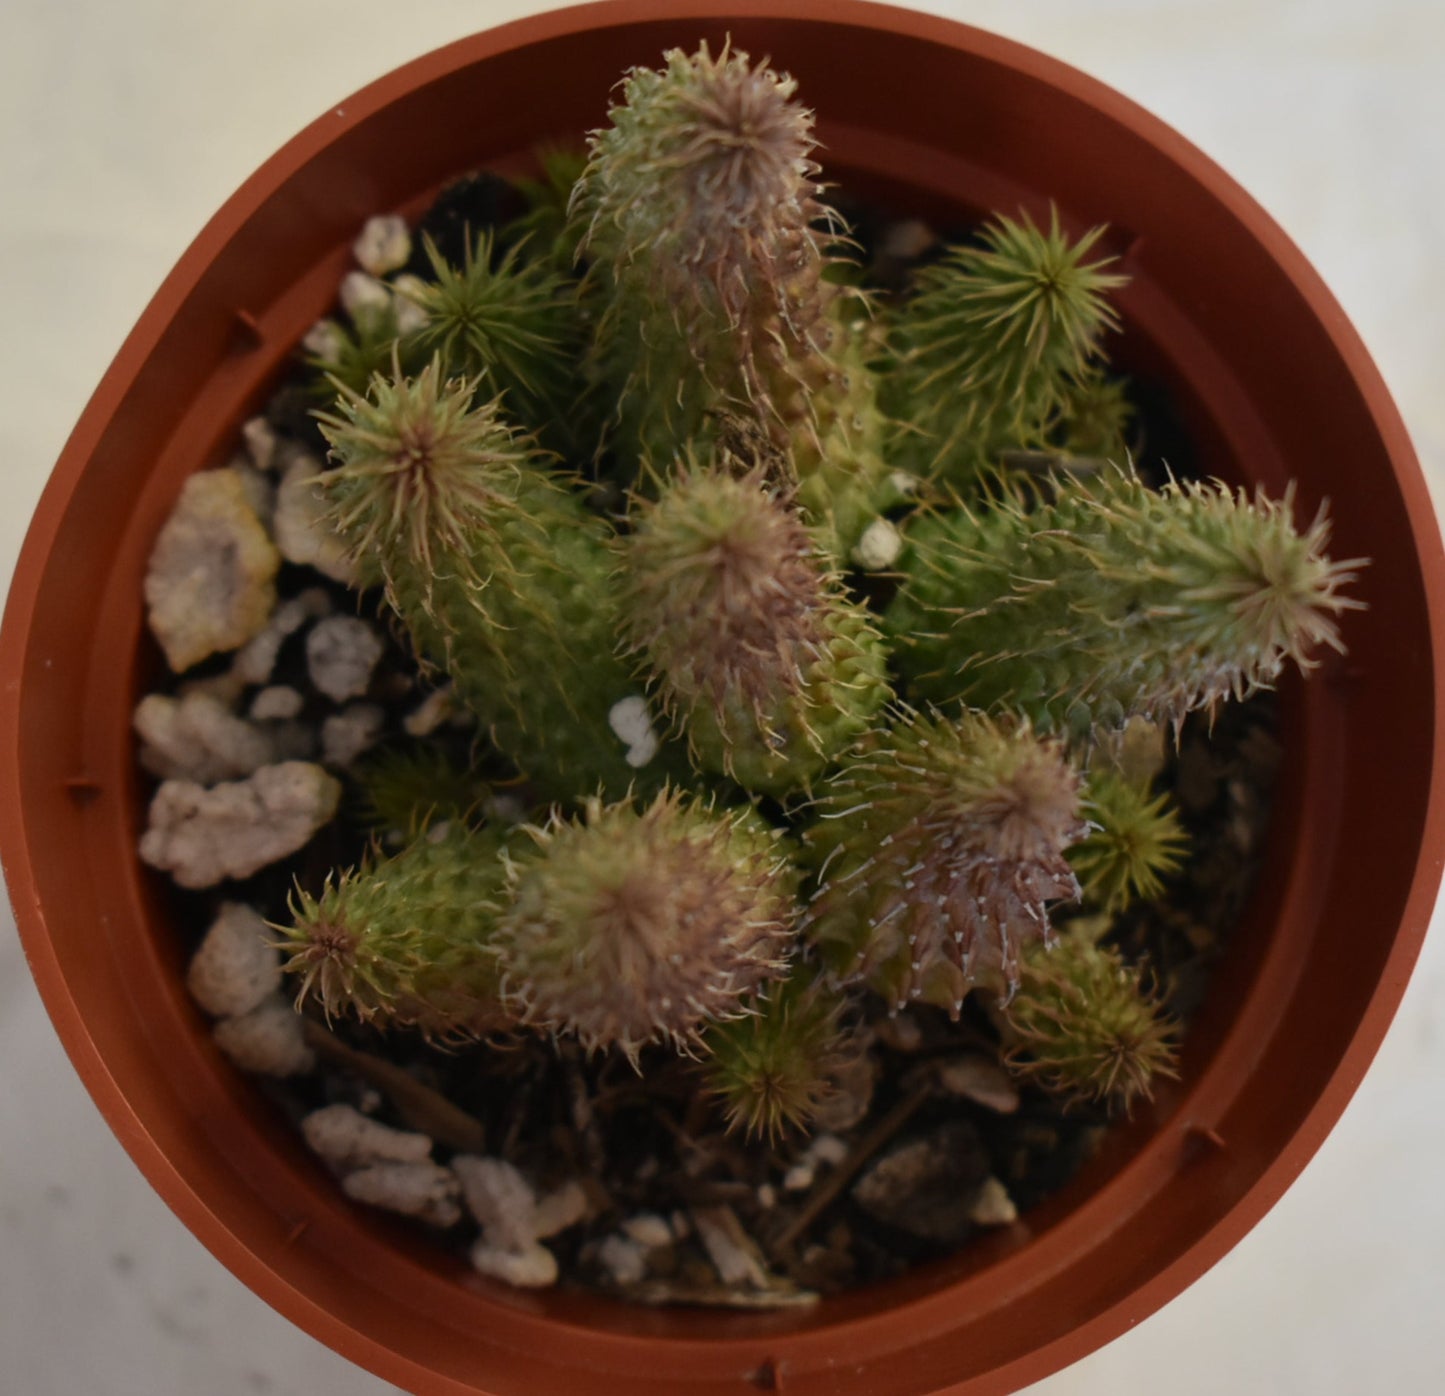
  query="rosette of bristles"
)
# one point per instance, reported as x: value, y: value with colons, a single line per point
x: 1135, y: 840
x: 999, y: 346
x: 511, y: 321
x: 1085, y: 1025
x: 498, y: 313
x: 708, y: 247
x: 406, y: 941
x: 753, y: 649
x: 500, y: 573
x: 402, y: 788
x: 774, y: 1067
x: 936, y: 852
x: 1105, y: 599
x: 631, y: 927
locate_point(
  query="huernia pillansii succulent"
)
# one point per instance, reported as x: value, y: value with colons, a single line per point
x: 403, y: 788
x: 507, y: 322
x: 936, y: 852
x: 758, y: 656
x: 773, y: 1067
x: 631, y: 926
x: 1084, y: 1025
x: 1111, y: 599
x: 709, y: 253
x: 1096, y: 417
x: 545, y: 232
x: 500, y: 572
x: 806, y: 709
x: 999, y: 346
x: 1135, y: 840
x: 404, y: 941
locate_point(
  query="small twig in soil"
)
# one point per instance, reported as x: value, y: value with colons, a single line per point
x: 421, y: 1107
x: 584, y: 1122
x: 715, y: 1192
x: 825, y: 1194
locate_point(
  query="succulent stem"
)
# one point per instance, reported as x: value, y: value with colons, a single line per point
x: 768, y: 669
x: 1113, y: 599
x: 936, y: 852
x: 631, y: 927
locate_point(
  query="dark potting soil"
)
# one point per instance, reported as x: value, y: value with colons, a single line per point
x: 910, y: 1166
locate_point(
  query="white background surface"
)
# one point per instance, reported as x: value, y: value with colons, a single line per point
x: 125, y: 123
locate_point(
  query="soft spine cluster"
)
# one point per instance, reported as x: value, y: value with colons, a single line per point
x: 756, y: 797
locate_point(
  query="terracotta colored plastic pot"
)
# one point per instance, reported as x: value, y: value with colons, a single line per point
x: 1271, y: 384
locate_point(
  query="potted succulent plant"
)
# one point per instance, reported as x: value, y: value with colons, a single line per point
x: 1202, y: 358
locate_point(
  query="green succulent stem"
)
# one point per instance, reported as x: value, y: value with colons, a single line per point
x: 708, y: 249
x: 507, y: 323
x: 995, y: 346
x: 1135, y: 841
x: 772, y: 1068
x: 1084, y: 1026
x: 764, y: 664
x: 502, y: 576
x: 935, y: 853
x: 1112, y: 599
x: 406, y: 941
x: 634, y: 926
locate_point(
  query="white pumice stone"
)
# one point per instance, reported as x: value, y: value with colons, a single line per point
x: 256, y: 659
x: 410, y: 316
x: 424, y: 1190
x: 362, y: 295
x: 260, y: 438
x: 260, y: 489
x: 827, y: 1149
x: 300, y: 525
x: 430, y: 713
x: 500, y: 1198
x: 201, y: 837
x: 210, y: 583
x: 325, y: 340
x: 649, y: 1230
x: 535, y: 1267
x: 236, y: 967
x: 624, y: 1259
x: 224, y: 687
x: 630, y: 720
x: 276, y: 703
x: 346, y: 1139
x: 799, y: 1178
x: 561, y: 1208
x: 267, y: 1041
x: 383, y: 245
x: 341, y: 653
x: 198, y: 738
x: 350, y: 733
x: 879, y: 546
x: 904, y: 484
x: 993, y: 1206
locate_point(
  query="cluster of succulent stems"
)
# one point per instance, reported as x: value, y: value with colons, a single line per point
x: 627, y: 476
